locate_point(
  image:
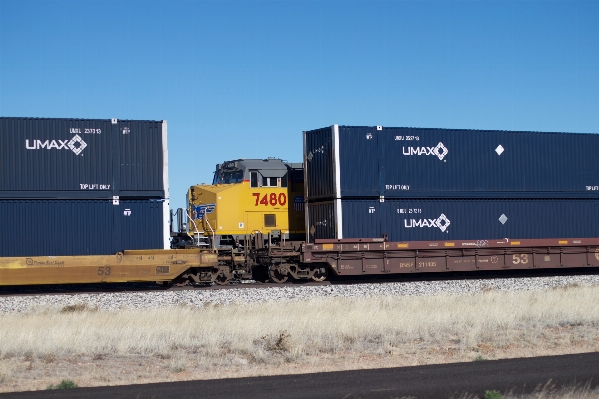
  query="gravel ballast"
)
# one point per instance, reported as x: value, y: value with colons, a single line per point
x: 198, y: 298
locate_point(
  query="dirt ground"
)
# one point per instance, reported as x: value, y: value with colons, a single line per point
x: 30, y: 373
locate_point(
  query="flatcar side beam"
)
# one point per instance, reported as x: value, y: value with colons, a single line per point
x: 130, y: 266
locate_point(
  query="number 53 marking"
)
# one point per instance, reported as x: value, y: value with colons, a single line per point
x: 522, y: 258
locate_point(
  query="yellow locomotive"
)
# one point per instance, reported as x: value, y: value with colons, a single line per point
x: 247, y: 196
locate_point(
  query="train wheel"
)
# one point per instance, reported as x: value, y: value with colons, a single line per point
x: 321, y: 274
x: 223, y: 276
x: 276, y: 276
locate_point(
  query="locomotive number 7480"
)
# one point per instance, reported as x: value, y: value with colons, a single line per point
x: 273, y: 199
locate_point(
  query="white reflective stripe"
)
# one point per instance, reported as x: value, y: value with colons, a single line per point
x: 166, y: 216
x: 336, y: 163
x: 306, y: 216
x: 165, y: 159
x: 338, y: 219
x: 305, y: 168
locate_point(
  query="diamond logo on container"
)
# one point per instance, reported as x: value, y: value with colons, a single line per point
x: 440, y: 151
x: 310, y: 156
x: 503, y: 219
x: 499, y: 150
x: 77, y: 144
x: 443, y: 223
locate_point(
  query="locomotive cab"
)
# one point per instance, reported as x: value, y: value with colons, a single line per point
x: 247, y: 197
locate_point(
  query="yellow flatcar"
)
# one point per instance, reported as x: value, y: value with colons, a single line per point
x: 248, y: 196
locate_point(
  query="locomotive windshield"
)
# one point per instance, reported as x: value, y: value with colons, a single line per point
x: 227, y: 176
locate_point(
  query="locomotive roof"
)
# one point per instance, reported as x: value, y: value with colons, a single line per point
x: 238, y: 170
x: 259, y: 164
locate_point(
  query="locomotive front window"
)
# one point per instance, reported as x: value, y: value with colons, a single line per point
x: 253, y: 179
x: 232, y: 177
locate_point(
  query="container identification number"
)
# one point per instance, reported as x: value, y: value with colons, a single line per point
x: 409, y: 210
x: 270, y: 199
x: 407, y: 138
x: 76, y: 130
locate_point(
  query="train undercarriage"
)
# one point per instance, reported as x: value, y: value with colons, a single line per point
x: 279, y: 261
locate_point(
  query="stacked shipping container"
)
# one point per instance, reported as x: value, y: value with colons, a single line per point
x: 430, y: 184
x: 82, y: 186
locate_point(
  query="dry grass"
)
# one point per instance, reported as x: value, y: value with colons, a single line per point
x: 110, y: 347
x: 547, y: 391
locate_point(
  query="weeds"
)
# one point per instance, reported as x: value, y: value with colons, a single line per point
x: 48, y: 358
x: 78, y: 307
x: 493, y: 395
x: 279, y: 343
x: 480, y: 358
x: 64, y: 384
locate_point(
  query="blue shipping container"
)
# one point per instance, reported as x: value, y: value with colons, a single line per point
x: 82, y: 227
x: 356, y: 162
x: 460, y: 219
x: 83, y: 158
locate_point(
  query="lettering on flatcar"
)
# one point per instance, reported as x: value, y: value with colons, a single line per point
x: 163, y: 269
x: 50, y: 263
x: 427, y: 264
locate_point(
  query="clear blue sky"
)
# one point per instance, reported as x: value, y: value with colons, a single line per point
x: 243, y: 79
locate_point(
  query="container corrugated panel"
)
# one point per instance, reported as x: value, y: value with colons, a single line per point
x: 359, y: 218
x: 461, y: 219
x: 318, y: 155
x: 320, y: 220
x: 445, y: 163
x: 82, y: 158
x: 81, y: 227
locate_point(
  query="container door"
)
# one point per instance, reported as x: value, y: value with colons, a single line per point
x: 358, y: 160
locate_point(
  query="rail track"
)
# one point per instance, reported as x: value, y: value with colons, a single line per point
x: 74, y: 289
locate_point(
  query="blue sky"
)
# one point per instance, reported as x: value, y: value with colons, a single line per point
x: 243, y: 79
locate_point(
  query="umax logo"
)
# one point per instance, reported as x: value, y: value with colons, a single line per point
x: 440, y: 151
x: 76, y: 144
x: 441, y: 222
